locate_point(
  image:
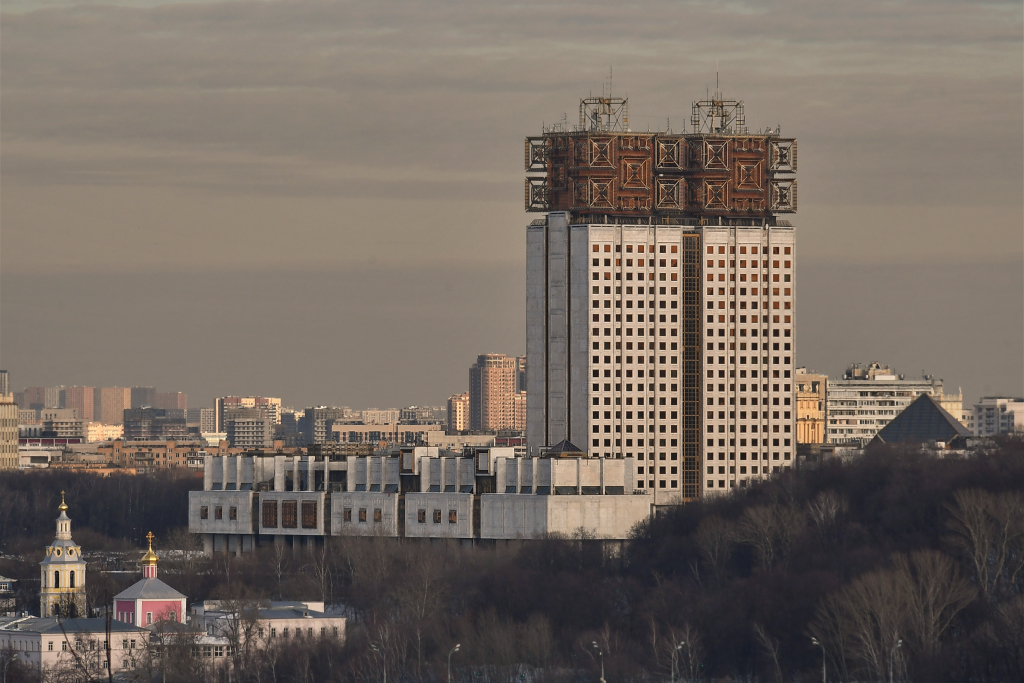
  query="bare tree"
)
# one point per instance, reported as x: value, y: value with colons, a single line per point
x: 825, y: 511
x: 771, y: 531
x: 770, y: 647
x: 988, y: 529
x: 715, y: 539
x: 934, y: 594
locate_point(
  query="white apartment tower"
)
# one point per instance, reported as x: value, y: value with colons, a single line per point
x: 660, y: 298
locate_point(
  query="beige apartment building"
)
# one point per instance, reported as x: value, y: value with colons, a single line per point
x: 8, y: 432
x: 492, y: 392
x: 82, y: 401
x: 810, y: 406
x: 110, y: 404
x: 458, y: 413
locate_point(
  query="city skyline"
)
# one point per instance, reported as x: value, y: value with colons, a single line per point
x: 142, y: 179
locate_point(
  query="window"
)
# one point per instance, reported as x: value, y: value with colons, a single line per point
x: 437, y: 516
x: 362, y: 515
x: 309, y: 518
x: 421, y: 516
x: 204, y: 512
x: 49, y: 646
x: 56, y: 579
x: 71, y: 579
x: 218, y: 512
x: 172, y: 616
x: 270, y: 514
x: 149, y: 618
x: 346, y: 514
x: 453, y: 516
x: 233, y: 513
x: 289, y: 514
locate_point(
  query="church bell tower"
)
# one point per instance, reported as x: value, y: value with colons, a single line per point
x: 62, y: 587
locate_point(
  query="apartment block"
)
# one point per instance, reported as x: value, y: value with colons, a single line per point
x: 493, y: 382
x: 80, y: 399
x: 998, y: 415
x: 154, y: 423
x: 143, y: 397
x: 458, y: 413
x: 109, y: 404
x: 170, y: 400
x: 869, y: 397
x: 8, y: 432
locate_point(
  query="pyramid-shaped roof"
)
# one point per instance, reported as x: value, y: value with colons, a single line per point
x: 149, y: 589
x: 922, y: 421
x: 563, y: 447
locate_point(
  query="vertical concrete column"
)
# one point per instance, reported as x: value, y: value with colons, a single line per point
x: 279, y: 473
x: 295, y: 473
x: 327, y: 473
x: 207, y: 472
x: 579, y: 476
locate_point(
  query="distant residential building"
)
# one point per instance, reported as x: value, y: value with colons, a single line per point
x: 375, y: 416
x: 317, y: 423
x: 810, y: 406
x: 519, y: 412
x: 521, y: 374
x: 41, y: 397
x: 143, y: 397
x: 393, y: 434
x: 82, y: 400
x: 998, y: 415
x: 256, y: 431
x: 458, y: 413
x: 97, y: 431
x: 151, y: 455
x: 170, y: 400
x: 492, y: 388
x: 154, y: 423
x: 110, y: 403
x: 207, y: 420
x: 8, y: 432
x: 272, y: 407
x: 270, y: 621
x: 62, y: 423
x: 870, y: 397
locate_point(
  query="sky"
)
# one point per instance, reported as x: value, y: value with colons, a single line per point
x: 323, y: 201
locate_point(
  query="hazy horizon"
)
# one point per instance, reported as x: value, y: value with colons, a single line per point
x: 322, y: 201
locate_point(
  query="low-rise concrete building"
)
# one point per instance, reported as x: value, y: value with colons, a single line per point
x: 418, y: 492
x: 998, y: 415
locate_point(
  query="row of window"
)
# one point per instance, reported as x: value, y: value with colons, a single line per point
x: 753, y: 250
x: 753, y: 414
x: 289, y: 514
x: 421, y: 516
x: 754, y: 263
x: 743, y: 443
x: 743, y: 456
x: 218, y: 512
x: 596, y: 248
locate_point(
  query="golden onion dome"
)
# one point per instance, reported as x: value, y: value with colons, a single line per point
x: 150, y: 557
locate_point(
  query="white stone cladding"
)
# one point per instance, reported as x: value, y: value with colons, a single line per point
x: 749, y: 323
x: 606, y: 320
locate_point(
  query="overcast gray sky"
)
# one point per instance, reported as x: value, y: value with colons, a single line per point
x: 323, y: 200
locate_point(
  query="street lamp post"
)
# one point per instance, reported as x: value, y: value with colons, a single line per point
x: 815, y: 641
x: 675, y: 655
x: 600, y: 654
x: 450, y: 653
x: 383, y: 663
x: 8, y: 663
x: 892, y: 655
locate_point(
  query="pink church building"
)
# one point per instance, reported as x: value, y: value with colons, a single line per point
x: 149, y: 600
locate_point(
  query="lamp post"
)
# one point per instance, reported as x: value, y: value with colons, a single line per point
x: 600, y: 654
x: 8, y: 663
x: 892, y: 655
x: 675, y: 654
x: 450, y: 653
x: 815, y: 641
x: 384, y: 664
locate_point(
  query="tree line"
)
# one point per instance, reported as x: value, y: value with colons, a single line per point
x: 895, y: 565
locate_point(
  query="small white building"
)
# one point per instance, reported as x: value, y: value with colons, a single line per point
x: 50, y: 645
x: 220, y: 619
x: 998, y: 415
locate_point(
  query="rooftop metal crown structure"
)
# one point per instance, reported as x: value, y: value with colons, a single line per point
x: 718, y: 171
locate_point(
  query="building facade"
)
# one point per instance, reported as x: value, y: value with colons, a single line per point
x: 81, y: 400
x: 110, y: 403
x: 870, y: 397
x: 146, y: 424
x: 482, y: 494
x: 998, y: 415
x: 62, y: 573
x: 810, y: 407
x: 170, y: 400
x: 8, y: 432
x: 149, y: 600
x: 458, y: 413
x: 661, y: 297
x: 493, y: 382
